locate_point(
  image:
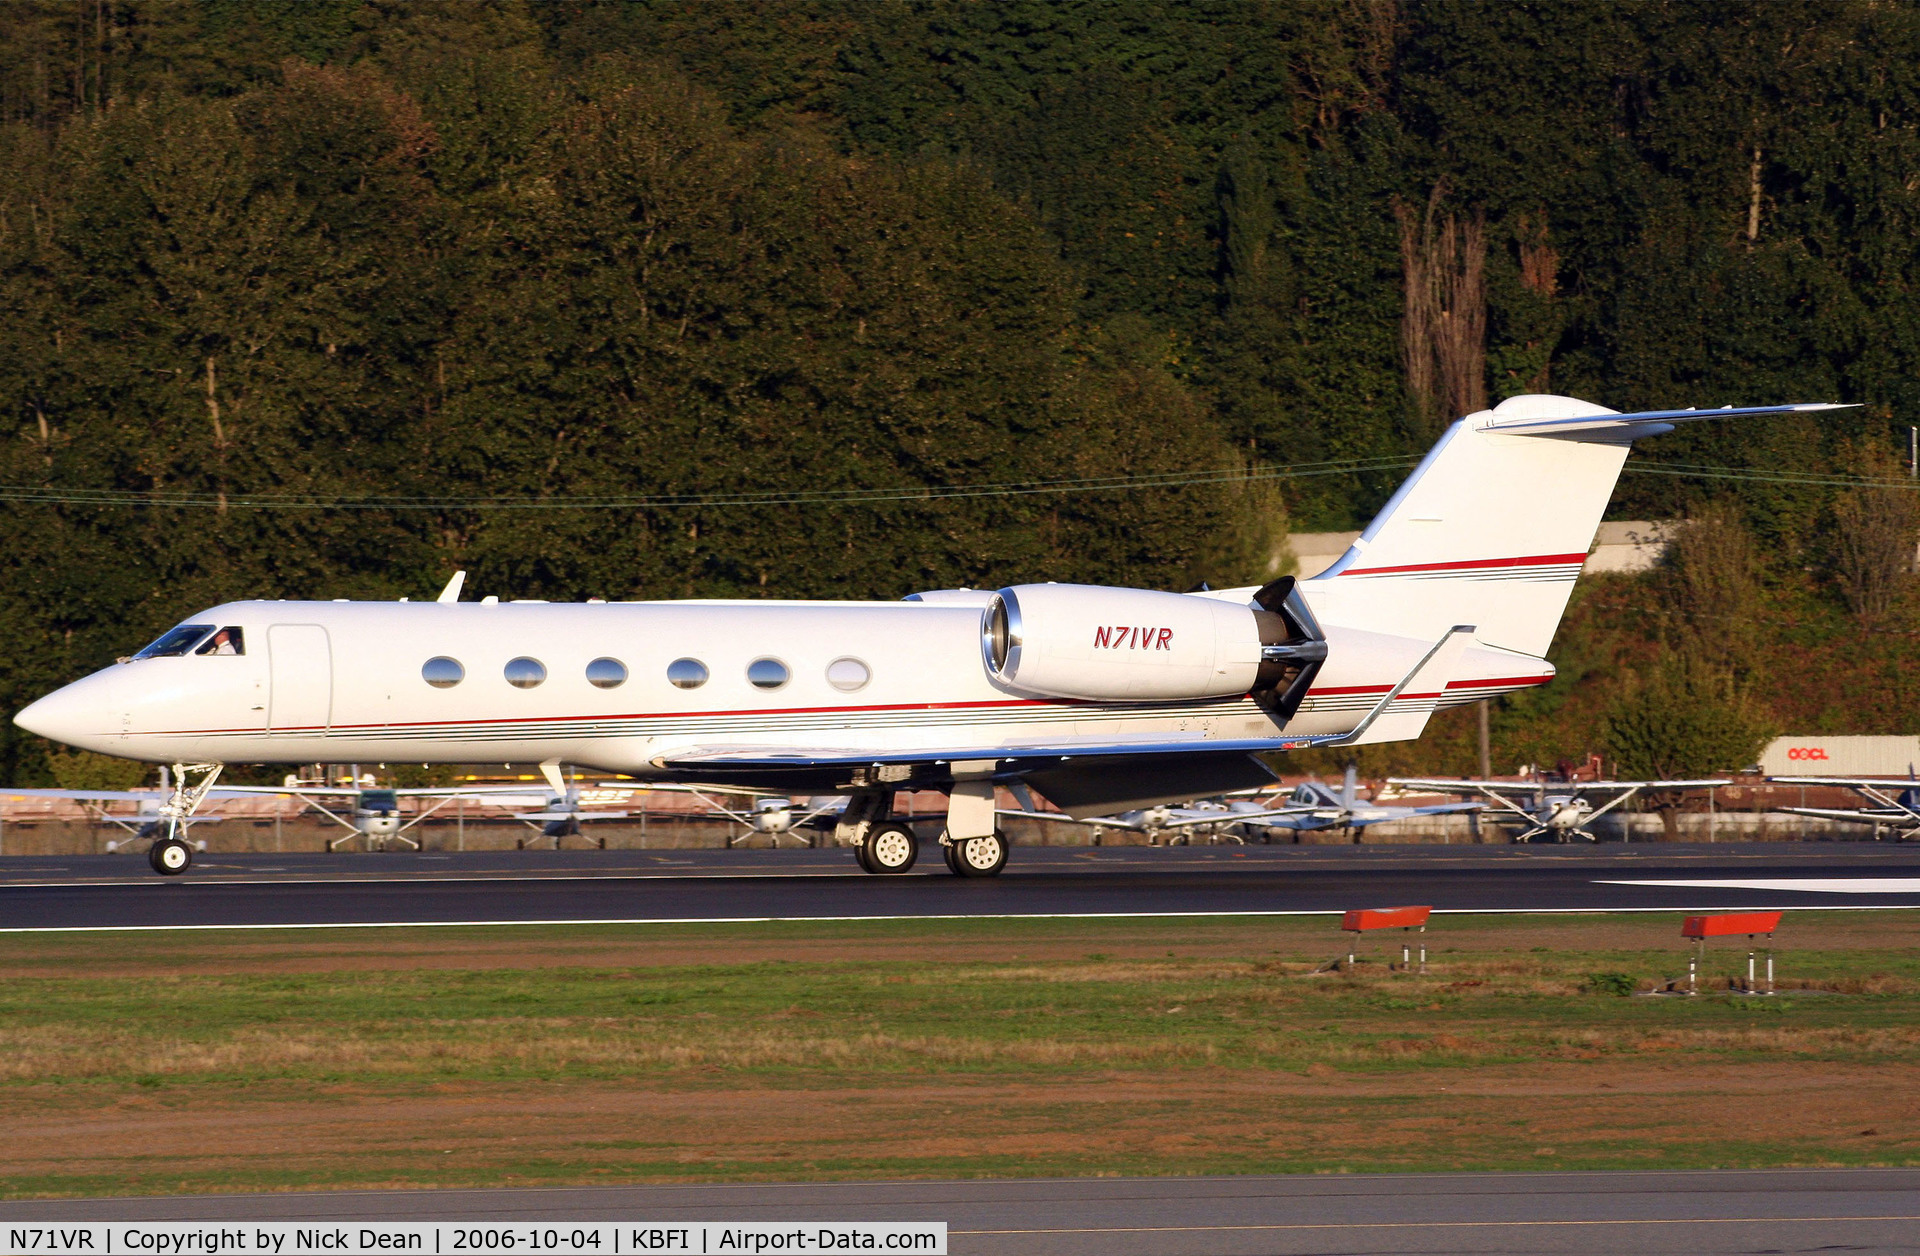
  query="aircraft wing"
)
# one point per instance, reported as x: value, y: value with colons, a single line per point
x: 1535, y: 787
x: 1061, y: 817
x: 551, y: 814
x: 1413, y: 784
x: 1010, y: 759
x: 1875, y: 815
x: 1874, y: 782
x: 85, y: 795
x: 1304, y: 819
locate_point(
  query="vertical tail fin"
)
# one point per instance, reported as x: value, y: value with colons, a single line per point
x: 1493, y: 526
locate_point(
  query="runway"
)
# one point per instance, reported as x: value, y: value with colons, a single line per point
x: 522, y: 887
x: 1788, y: 1210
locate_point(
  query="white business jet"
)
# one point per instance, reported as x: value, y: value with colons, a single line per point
x: 1099, y: 699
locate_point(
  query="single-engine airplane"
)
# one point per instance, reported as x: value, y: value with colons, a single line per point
x: 1555, y: 812
x: 1100, y: 699
x: 1893, y: 803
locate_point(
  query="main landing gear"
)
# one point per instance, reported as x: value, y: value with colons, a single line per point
x: 976, y: 856
x: 971, y: 846
x: 170, y: 855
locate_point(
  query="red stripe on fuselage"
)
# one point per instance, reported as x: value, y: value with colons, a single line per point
x: 1070, y: 703
x: 1539, y: 560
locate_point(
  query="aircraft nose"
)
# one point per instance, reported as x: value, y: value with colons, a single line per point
x: 62, y: 716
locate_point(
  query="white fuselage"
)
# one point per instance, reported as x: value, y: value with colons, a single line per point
x: 343, y: 682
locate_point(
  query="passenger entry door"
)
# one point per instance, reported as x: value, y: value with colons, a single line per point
x: 300, y: 660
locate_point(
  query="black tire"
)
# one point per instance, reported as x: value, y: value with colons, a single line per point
x: 891, y: 848
x: 951, y: 853
x: 860, y: 856
x: 981, y: 856
x: 170, y: 856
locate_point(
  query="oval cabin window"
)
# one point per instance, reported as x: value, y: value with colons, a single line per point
x: 687, y: 673
x: 848, y: 674
x: 767, y: 673
x: 606, y: 673
x: 525, y: 673
x: 443, y: 672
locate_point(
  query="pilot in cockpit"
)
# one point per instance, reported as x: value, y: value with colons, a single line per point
x: 226, y: 641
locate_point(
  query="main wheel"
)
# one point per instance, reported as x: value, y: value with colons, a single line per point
x: 950, y: 852
x: 981, y: 856
x: 170, y: 856
x: 892, y: 848
x: 862, y: 855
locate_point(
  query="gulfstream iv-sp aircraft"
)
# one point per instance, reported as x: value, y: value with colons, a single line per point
x: 1099, y: 699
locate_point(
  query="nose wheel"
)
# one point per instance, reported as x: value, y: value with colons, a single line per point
x: 170, y: 856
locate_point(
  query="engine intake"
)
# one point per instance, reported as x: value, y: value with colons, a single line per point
x: 1107, y: 644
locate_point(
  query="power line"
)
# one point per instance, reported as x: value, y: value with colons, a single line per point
x: 1690, y: 471
x: 48, y: 495
x: 26, y: 494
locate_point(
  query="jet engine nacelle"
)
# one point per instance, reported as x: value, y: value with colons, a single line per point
x: 1105, y: 644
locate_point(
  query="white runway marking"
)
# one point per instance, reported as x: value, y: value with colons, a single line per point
x: 1805, y: 885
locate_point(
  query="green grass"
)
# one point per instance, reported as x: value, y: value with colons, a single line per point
x: 230, y: 1060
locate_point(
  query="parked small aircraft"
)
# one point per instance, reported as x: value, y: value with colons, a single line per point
x: 147, y: 818
x: 1556, y: 812
x: 1894, y: 803
x: 1102, y: 700
x: 772, y: 815
x: 1314, y: 807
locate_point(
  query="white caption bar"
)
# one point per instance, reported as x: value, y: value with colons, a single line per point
x: 449, y: 1238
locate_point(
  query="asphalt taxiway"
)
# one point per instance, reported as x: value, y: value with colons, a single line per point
x: 1700, y: 1213
x: 521, y: 887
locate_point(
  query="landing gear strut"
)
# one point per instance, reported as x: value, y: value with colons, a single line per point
x: 170, y: 855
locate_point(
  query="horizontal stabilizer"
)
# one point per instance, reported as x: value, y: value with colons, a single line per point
x: 1639, y: 423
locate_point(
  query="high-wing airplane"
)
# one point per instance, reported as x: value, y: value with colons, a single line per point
x: 145, y: 822
x: 377, y: 814
x: 1556, y: 812
x: 770, y: 815
x: 1893, y: 803
x: 1100, y: 699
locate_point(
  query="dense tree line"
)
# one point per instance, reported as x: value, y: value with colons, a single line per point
x: 454, y: 267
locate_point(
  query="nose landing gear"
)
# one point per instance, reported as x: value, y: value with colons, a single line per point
x: 171, y: 855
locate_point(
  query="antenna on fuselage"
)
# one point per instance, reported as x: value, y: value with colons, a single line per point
x: 452, y: 592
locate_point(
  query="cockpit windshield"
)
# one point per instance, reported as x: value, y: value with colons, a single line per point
x: 175, y: 641
x: 379, y: 800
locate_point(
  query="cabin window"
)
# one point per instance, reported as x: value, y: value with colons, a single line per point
x: 848, y: 674
x: 525, y: 673
x: 687, y: 673
x: 175, y: 641
x: 606, y: 673
x: 443, y: 672
x: 226, y: 641
x: 767, y: 673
